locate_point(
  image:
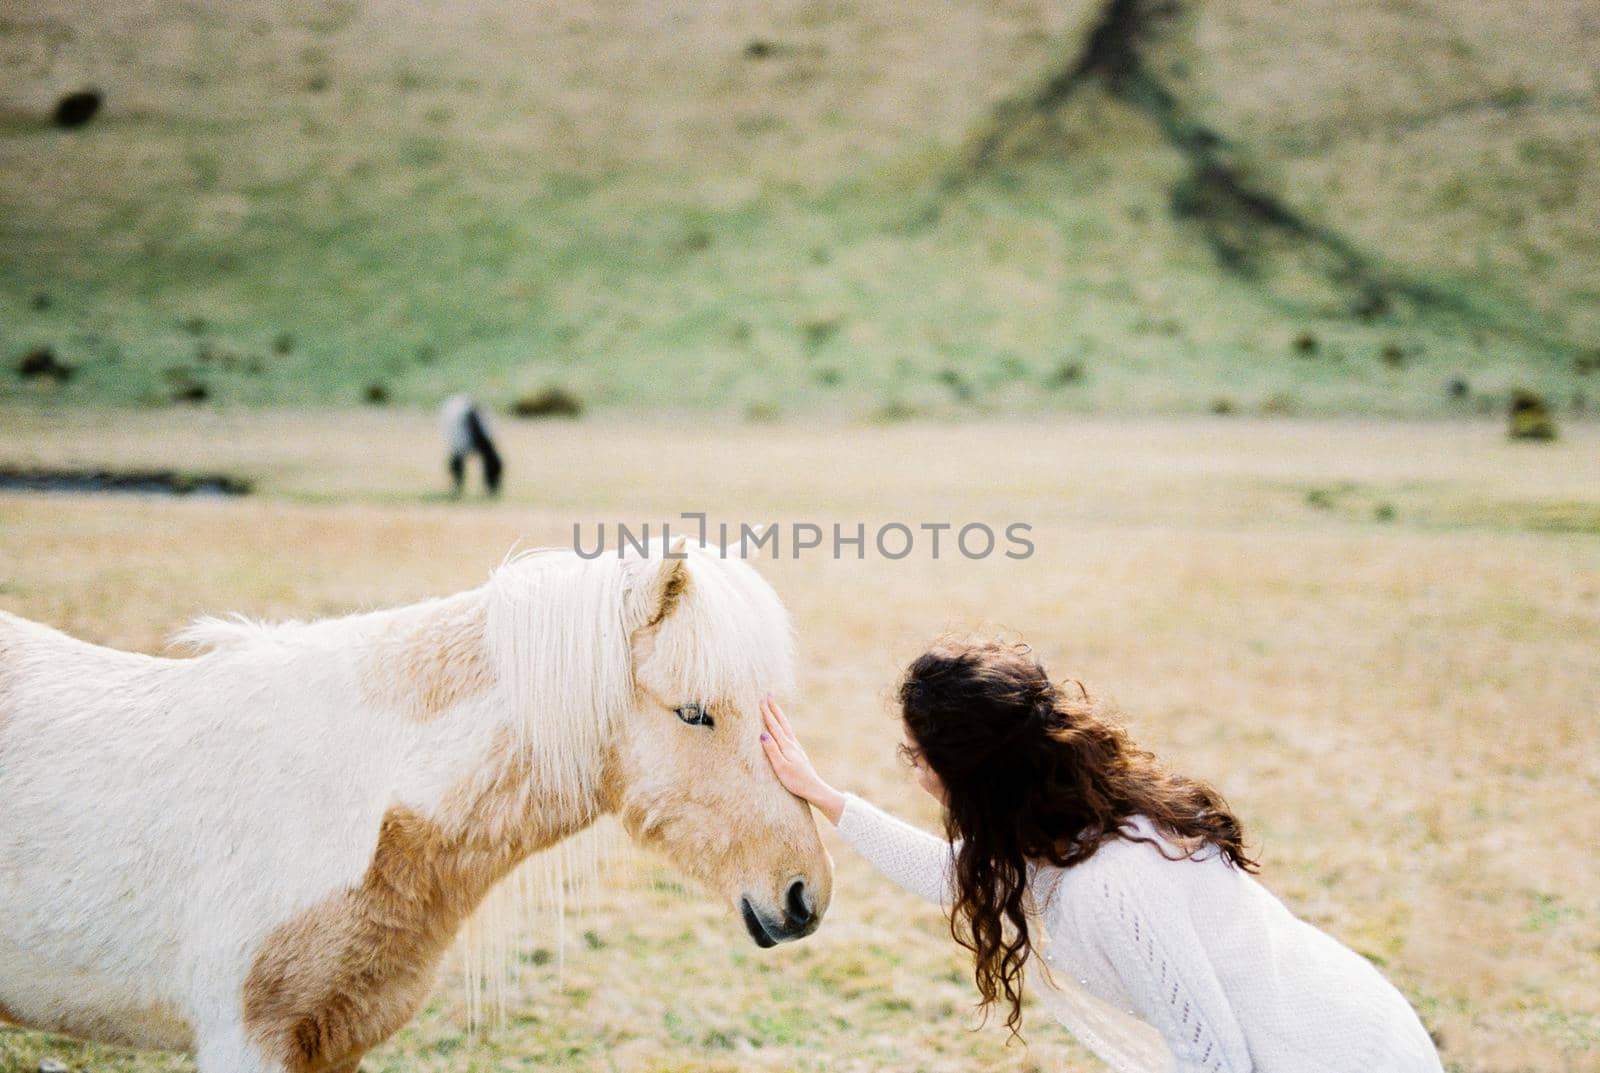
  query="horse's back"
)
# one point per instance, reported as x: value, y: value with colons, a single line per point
x: 54, y: 689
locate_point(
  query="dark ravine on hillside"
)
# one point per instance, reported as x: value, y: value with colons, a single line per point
x: 1253, y: 232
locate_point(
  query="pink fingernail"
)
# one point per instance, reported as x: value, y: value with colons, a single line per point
x: 763, y: 735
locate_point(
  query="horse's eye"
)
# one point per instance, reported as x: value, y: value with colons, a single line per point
x: 695, y: 715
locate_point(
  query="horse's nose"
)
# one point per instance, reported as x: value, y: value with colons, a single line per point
x: 798, y: 916
x: 801, y: 907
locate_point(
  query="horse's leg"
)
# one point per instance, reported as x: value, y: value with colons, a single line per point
x: 458, y: 472
x: 232, y: 1052
x: 492, y: 466
x: 229, y: 1050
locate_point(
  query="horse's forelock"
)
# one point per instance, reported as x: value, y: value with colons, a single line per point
x: 730, y: 637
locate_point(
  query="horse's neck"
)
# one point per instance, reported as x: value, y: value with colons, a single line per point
x: 431, y: 663
x: 426, y: 659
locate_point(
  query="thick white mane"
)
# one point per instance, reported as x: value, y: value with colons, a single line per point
x: 559, y: 647
x: 558, y: 634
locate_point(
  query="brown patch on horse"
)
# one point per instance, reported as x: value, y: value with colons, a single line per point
x: 430, y: 660
x: 346, y: 974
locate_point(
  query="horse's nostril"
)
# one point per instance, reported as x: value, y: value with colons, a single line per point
x: 799, y: 902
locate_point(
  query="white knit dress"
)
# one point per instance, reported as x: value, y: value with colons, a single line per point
x: 1186, y: 966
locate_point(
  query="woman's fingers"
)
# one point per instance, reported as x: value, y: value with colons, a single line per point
x: 773, y: 720
x: 783, y: 748
x: 772, y: 741
x: 791, y: 765
x: 789, y: 776
x: 783, y: 720
x: 780, y: 763
x: 774, y: 732
x: 784, y: 729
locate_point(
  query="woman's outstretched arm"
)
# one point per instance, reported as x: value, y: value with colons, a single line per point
x: 913, y: 859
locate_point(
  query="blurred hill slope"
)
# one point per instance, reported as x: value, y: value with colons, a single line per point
x: 806, y: 204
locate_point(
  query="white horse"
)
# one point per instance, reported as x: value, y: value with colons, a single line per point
x: 262, y: 854
x: 465, y: 429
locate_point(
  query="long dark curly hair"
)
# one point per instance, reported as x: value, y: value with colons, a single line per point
x: 1034, y: 771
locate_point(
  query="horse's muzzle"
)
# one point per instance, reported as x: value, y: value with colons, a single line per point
x: 800, y: 917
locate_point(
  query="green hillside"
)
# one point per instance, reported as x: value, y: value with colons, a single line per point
x: 858, y: 206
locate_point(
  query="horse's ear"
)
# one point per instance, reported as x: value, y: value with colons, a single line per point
x: 661, y: 585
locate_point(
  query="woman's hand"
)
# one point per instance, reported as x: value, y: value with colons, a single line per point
x: 792, y: 765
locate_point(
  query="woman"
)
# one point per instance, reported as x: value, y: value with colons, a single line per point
x: 1130, y: 883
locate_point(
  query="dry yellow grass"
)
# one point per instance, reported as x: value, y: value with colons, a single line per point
x: 1403, y: 710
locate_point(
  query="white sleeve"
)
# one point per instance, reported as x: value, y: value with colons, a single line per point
x: 1143, y: 929
x: 918, y: 862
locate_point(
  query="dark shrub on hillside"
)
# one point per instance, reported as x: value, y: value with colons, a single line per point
x: 1530, y: 417
x: 895, y: 410
x: 551, y: 402
x: 957, y: 384
x: 1066, y: 372
x: 184, y: 386
x: 76, y: 109
x: 1279, y: 404
x: 376, y: 394
x: 818, y: 332
x: 42, y: 362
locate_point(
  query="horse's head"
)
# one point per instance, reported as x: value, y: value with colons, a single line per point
x: 686, y: 772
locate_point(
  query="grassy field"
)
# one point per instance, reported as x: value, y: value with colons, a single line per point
x: 1377, y: 638
x: 722, y: 209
